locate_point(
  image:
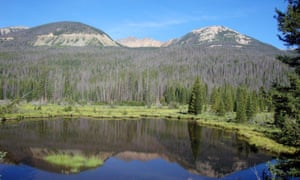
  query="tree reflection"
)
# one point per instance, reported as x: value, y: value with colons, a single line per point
x: 195, y: 138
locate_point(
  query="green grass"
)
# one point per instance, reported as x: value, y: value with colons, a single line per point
x: 51, y: 110
x: 73, y: 163
x: 256, y: 132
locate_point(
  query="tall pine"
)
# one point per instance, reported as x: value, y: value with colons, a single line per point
x: 287, y: 99
x: 241, y: 105
x: 196, y: 100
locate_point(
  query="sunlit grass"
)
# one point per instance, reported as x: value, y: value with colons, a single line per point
x: 74, y: 163
x: 51, y: 110
x: 256, y: 132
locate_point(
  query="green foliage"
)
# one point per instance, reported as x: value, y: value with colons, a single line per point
x: 95, y: 75
x: 176, y: 93
x: 287, y: 99
x: 241, y: 103
x: 228, y: 98
x: 221, y: 108
x: 73, y: 163
x: 68, y: 108
x: 195, y: 132
x: 10, y: 107
x: 214, y: 99
x: 290, y: 134
x: 264, y: 100
x: 285, y: 168
x: 287, y: 111
x: 289, y: 23
x: 196, y: 100
x: 251, y: 107
x: 2, y: 155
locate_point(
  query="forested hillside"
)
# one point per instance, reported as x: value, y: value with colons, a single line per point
x: 110, y: 75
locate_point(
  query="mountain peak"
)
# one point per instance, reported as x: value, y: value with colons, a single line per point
x: 214, y: 29
x: 61, y: 34
x: 221, y: 34
x: 213, y: 36
x: 11, y: 29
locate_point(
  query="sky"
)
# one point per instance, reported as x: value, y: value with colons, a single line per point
x: 161, y: 20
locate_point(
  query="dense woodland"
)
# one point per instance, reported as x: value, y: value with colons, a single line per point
x: 141, y: 75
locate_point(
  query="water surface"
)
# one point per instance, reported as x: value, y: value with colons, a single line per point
x: 130, y: 149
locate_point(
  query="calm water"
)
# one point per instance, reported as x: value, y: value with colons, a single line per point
x: 130, y: 149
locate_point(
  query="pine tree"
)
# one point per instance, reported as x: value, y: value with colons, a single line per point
x: 214, y: 99
x: 228, y: 98
x: 221, y: 108
x: 241, y: 102
x: 196, y: 100
x: 251, y: 107
x: 287, y: 99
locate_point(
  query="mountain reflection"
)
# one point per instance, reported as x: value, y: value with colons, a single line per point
x: 201, y: 150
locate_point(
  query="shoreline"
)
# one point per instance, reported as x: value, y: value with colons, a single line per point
x: 253, y: 134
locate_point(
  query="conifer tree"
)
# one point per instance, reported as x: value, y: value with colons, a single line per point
x: 241, y: 102
x: 228, y: 99
x: 250, y: 108
x: 221, y: 108
x: 287, y: 99
x: 214, y: 99
x: 196, y: 100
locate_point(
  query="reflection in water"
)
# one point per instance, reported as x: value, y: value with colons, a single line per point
x: 195, y: 138
x: 200, y: 150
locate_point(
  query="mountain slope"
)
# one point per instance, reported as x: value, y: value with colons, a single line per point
x: 7, y: 30
x: 61, y: 34
x: 135, y: 42
x: 217, y: 36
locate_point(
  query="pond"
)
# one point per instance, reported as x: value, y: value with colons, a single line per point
x: 124, y: 149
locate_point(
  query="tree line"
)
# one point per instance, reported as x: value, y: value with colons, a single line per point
x: 143, y: 75
x: 246, y: 103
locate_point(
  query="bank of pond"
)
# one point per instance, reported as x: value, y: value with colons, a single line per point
x: 111, y: 149
x: 132, y: 142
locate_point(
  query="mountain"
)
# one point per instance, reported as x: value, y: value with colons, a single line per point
x: 60, y: 34
x: 135, y: 42
x: 80, y: 35
x: 217, y: 36
x: 7, y: 30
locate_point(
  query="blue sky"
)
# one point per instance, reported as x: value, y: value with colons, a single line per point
x: 161, y: 20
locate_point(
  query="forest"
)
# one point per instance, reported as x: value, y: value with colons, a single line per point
x: 132, y: 75
x: 215, y: 79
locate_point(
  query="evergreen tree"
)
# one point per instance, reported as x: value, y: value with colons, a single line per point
x: 221, y: 108
x: 250, y: 108
x: 241, y: 102
x: 261, y: 98
x: 196, y: 100
x: 287, y: 99
x: 214, y: 99
x: 195, y: 132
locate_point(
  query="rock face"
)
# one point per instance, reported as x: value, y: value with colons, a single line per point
x: 60, y: 34
x: 145, y: 42
x: 74, y: 39
x: 8, y: 30
x: 218, y: 36
x: 221, y: 34
x: 75, y: 34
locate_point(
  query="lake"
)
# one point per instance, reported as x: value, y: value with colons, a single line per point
x: 125, y: 149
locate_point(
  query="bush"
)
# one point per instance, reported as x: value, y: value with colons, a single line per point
x: 173, y: 105
x: 68, y: 108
